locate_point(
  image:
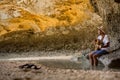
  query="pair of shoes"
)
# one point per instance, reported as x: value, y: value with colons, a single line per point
x: 29, y: 66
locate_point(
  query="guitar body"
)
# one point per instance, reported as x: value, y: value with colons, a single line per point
x: 98, y: 44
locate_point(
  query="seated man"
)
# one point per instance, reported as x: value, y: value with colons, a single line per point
x: 102, y: 45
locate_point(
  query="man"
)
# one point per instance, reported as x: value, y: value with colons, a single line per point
x: 101, y: 49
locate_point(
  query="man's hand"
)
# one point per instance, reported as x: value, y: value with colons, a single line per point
x: 98, y: 46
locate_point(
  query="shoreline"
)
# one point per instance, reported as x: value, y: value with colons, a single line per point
x: 38, y: 58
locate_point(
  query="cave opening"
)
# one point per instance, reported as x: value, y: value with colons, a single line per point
x: 117, y: 1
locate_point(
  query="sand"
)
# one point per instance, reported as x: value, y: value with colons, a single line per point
x: 9, y: 70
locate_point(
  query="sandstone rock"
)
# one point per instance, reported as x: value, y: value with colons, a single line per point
x: 111, y: 60
x: 110, y: 12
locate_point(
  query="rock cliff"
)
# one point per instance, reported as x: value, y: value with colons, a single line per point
x: 46, y: 25
x: 109, y: 10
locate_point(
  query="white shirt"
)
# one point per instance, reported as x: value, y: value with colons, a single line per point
x: 105, y: 41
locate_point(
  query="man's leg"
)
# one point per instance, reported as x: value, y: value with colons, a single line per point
x: 91, y: 58
x: 96, y: 55
x: 95, y: 61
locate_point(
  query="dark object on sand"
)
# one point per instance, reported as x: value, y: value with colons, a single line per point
x: 29, y: 66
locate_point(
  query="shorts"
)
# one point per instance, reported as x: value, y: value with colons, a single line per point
x: 100, y: 52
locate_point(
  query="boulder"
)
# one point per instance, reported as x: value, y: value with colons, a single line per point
x: 111, y: 60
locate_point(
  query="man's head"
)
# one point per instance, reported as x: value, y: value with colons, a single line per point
x: 101, y: 31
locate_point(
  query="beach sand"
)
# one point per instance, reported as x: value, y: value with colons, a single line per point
x: 9, y: 70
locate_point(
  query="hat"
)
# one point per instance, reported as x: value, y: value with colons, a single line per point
x: 101, y: 29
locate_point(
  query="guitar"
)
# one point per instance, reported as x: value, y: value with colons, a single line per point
x: 98, y: 44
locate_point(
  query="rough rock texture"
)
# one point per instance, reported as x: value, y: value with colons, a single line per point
x: 36, y: 25
x: 110, y: 12
x: 112, y: 60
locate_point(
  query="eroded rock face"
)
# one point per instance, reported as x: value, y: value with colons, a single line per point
x: 112, y: 60
x: 31, y: 25
x: 110, y: 12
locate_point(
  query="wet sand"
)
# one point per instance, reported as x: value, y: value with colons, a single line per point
x: 9, y: 70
